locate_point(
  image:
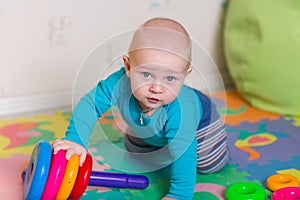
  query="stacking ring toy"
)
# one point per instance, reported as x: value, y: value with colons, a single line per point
x: 286, y: 193
x: 245, y: 191
x: 278, y: 181
x: 51, y: 176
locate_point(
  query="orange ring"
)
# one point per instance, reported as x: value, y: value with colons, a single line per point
x: 69, y: 178
x: 278, y: 181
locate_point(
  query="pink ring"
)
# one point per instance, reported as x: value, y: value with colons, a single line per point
x: 286, y: 193
x: 56, y: 174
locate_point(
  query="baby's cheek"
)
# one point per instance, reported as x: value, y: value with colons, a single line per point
x: 137, y: 84
x: 170, y: 96
x: 138, y: 93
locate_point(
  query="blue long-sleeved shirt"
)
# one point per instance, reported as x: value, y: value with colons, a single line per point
x: 172, y: 126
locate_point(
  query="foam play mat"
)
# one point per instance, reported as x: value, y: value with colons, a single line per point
x: 261, y: 144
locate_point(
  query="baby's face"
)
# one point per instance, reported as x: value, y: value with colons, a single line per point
x: 156, y: 77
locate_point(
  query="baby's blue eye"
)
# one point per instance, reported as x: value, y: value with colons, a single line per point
x: 146, y: 74
x: 170, y: 78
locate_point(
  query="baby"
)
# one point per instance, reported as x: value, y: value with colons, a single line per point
x: 178, y: 123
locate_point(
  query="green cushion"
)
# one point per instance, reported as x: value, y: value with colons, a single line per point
x: 262, y: 50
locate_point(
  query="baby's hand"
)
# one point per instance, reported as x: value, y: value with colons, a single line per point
x: 71, y: 148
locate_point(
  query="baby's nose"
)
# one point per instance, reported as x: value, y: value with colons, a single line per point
x: 156, y: 88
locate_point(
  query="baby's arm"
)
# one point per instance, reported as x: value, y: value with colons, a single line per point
x: 180, y: 131
x: 83, y: 120
x: 183, y: 173
x: 86, y: 115
x: 71, y: 148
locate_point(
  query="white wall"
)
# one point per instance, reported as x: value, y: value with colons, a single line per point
x: 44, y: 42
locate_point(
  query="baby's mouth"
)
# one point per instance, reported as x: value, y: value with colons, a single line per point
x: 153, y: 100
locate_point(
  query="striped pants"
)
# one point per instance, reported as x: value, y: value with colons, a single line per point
x: 212, y: 149
x: 211, y: 137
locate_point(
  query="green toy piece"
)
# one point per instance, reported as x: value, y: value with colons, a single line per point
x: 261, y: 46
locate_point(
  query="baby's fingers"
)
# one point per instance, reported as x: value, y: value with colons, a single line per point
x: 71, y: 149
x: 69, y: 153
x: 82, y: 155
x: 82, y: 159
x: 60, y: 145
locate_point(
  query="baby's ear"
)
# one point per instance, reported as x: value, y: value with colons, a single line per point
x: 127, y: 65
x: 188, y: 71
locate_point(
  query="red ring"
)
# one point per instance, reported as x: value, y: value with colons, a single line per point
x: 83, y: 178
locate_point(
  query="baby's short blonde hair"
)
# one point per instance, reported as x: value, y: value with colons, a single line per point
x: 163, y: 34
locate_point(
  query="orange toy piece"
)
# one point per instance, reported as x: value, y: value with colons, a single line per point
x: 278, y: 181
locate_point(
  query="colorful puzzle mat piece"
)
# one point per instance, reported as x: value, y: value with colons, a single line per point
x: 17, y: 140
x: 260, y: 143
x: 237, y: 110
x: 263, y: 141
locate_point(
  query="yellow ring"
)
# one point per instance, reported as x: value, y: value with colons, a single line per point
x: 278, y: 181
x: 69, y: 178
